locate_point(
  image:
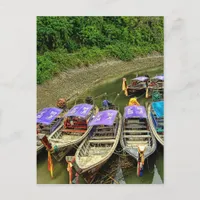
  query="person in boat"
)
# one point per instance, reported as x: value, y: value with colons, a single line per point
x: 133, y: 102
x: 106, y: 104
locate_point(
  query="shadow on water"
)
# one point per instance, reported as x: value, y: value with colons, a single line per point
x: 154, y: 172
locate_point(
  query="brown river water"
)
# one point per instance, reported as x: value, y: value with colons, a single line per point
x: 154, y: 168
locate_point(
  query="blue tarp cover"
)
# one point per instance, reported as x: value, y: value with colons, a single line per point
x: 158, y: 108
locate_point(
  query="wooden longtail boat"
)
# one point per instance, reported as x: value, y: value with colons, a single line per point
x: 73, y: 131
x: 136, y: 138
x: 137, y: 85
x: 156, y: 84
x: 49, y: 120
x: 98, y: 147
x: 156, y: 120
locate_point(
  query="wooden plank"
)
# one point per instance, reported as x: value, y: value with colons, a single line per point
x: 101, y: 141
x: 135, y: 126
x: 104, y: 131
x: 136, y: 142
x: 137, y: 136
x: 103, y: 128
x: 135, y: 123
x: 136, y: 131
x: 73, y: 131
x: 57, y: 140
x: 102, y: 137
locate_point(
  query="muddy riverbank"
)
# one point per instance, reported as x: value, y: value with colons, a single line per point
x: 82, y: 79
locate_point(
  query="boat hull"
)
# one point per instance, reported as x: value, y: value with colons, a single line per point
x: 90, y: 171
x: 157, y: 136
x: 132, y: 92
x: 61, y: 147
x: 59, y: 155
x: 90, y: 174
x: 133, y: 150
x: 39, y: 149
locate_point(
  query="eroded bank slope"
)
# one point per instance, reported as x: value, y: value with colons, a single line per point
x: 79, y: 80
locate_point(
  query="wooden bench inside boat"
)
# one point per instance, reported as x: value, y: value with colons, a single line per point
x: 135, y: 126
x: 58, y: 140
x: 137, y: 136
x: 135, y: 123
x: 132, y: 143
x: 136, y: 131
x: 136, y: 142
x: 73, y: 131
x: 104, y: 131
x: 102, y: 137
x: 101, y: 141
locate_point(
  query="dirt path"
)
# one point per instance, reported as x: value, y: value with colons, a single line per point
x: 79, y: 80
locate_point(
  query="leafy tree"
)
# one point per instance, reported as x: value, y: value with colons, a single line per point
x: 67, y: 42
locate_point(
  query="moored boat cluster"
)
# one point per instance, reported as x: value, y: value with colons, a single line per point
x: 96, y: 132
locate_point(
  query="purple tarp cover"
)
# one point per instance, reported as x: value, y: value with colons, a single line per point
x: 48, y: 115
x: 159, y: 77
x: 80, y: 110
x: 135, y: 112
x: 141, y: 78
x: 106, y: 117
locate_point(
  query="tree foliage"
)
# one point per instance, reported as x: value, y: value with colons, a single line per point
x: 90, y: 39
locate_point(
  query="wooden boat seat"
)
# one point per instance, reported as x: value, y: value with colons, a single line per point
x: 134, y: 122
x: 102, y: 137
x: 103, y: 131
x: 136, y: 143
x: 57, y: 140
x: 101, y: 141
x: 136, y: 131
x: 73, y: 130
x: 137, y: 136
x: 135, y: 126
x: 104, y: 128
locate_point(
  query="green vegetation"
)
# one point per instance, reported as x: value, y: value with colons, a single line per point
x: 68, y: 42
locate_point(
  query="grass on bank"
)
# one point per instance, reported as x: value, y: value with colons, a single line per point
x: 53, y: 62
